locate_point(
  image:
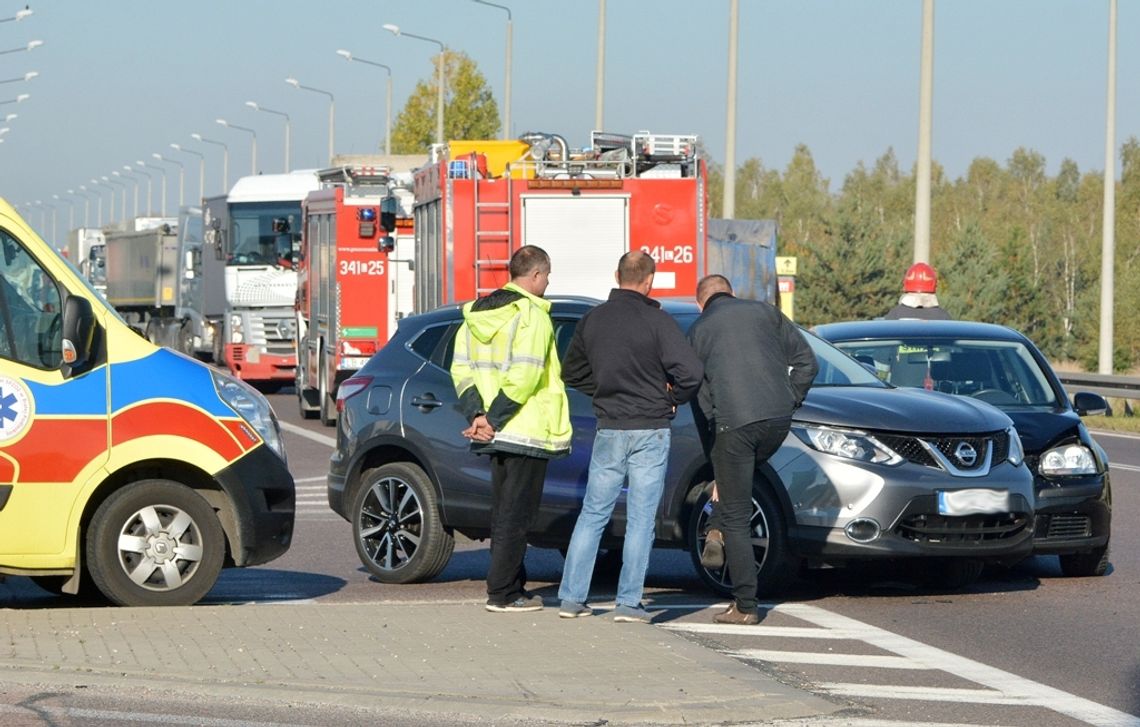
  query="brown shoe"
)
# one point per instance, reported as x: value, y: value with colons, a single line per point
x: 712, y: 556
x: 732, y: 615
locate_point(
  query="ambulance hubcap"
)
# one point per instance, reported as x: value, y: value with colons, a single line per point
x: 160, y: 547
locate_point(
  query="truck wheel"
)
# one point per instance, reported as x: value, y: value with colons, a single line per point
x: 1085, y: 565
x: 186, y: 340
x: 775, y: 565
x: 152, y: 332
x: 154, y: 543
x: 396, y: 525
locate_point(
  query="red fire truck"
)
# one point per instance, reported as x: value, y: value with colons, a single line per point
x: 481, y: 200
x: 354, y: 277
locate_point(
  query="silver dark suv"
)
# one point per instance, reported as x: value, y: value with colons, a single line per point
x: 868, y: 470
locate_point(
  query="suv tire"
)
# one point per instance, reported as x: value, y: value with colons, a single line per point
x: 396, y: 525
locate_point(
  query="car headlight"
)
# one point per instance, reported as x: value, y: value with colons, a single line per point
x: 1016, y: 451
x: 250, y: 405
x: 1068, y: 459
x: 849, y: 444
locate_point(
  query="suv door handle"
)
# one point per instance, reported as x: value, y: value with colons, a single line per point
x: 427, y: 401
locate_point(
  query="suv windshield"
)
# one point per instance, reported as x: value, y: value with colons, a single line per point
x: 1004, y: 373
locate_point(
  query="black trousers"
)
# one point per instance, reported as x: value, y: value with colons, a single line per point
x: 516, y: 490
x: 736, y: 453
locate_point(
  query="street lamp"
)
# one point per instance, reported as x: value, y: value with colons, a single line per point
x: 149, y: 184
x: 117, y: 183
x: 507, y: 83
x: 395, y: 30
x: 26, y: 77
x: 201, y: 168
x: 70, y: 213
x: 728, y: 208
x: 20, y: 15
x: 86, y: 206
x: 332, y: 109
x: 19, y: 99
x: 225, y: 159
x: 32, y: 44
x: 9, y: 117
x: 600, y: 77
x: 116, y: 173
x: 388, y: 96
x: 253, y: 147
x: 257, y: 107
x: 162, y: 204
x: 181, y: 179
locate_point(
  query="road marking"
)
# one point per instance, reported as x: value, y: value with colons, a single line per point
x: 322, y: 478
x: 1119, y: 435
x: 868, y: 722
x: 1125, y: 467
x: 830, y: 659
x: 1004, y: 687
x: 791, y: 632
x: 302, y: 432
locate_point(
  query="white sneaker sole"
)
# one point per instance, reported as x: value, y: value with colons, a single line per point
x: 511, y: 609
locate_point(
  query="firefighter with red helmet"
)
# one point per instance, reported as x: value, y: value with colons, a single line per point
x: 918, y: 299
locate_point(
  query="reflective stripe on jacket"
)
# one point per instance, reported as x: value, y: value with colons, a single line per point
x: 505, y: 350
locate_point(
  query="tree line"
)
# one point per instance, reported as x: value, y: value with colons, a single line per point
x: 1011, y: 244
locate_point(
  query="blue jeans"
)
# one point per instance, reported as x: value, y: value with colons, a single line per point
x: 641, y: 455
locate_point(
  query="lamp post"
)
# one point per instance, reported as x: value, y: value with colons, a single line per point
x: 20, y: 98
x: 507, y: 82
x: 149, y: 184
x: 135, y: 182
x: 32, y: 45
x: 181, y: 179
x: 347, y: 55
x: 20, y: 15
x: 70, y: 207
x: 1108, y: 232
x: 162, y: 203
x: 332, y: 108
x: 258, y: 107
x: 201, y: 168
x: 225, y: 159
x: 26, y: 77
x: 86, y: 205
x: 253, y: 147
x: 117, y: 183
x: 600, y: 72
x: 729, y: 203
x: 395, y: 30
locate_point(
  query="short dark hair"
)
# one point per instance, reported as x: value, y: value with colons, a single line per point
x: 527, y: 259
x: 710, y: 285
x: 635, y: 267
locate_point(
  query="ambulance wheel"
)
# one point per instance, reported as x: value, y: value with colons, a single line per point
x: 396, y: 525
x: 155, y: 543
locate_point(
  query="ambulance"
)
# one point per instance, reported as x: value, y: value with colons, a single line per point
x: 126, y: 469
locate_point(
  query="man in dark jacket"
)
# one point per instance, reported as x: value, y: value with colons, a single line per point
x: 758, y: 368
x: 633, y: 359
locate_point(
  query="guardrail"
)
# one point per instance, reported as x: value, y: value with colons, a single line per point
x: 1107, y: 385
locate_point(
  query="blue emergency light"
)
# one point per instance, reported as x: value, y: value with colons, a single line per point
x: 366, y: 222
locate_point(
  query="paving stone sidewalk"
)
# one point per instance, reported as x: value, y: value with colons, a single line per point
x: 424, y: 658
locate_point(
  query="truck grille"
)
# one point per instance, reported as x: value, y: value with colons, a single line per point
x: 276, y: 333
x: 1063, y: 526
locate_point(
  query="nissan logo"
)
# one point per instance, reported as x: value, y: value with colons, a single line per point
x: 966, y: 454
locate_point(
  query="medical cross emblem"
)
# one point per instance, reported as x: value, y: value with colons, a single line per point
x: 15, y: 408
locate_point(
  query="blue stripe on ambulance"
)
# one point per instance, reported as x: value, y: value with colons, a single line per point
x: 150, y: 377
x: 85, y: 395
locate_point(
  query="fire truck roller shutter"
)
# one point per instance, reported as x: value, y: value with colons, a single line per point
x: 584, y: 235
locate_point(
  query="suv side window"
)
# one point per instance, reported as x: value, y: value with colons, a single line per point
x: 31, y: 317
x: 436, y: 344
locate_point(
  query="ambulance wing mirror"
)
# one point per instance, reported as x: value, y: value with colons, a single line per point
x: 78, y: 343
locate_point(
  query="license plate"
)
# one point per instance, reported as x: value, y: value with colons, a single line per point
x: 972, y: 502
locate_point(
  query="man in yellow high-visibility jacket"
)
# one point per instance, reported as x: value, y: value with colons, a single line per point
x: 509, y: 381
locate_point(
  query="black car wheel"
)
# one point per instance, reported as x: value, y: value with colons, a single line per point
x: 155, y: 543
x: 774, y: 563
x: 1084, y: 565
x: 396, y: 525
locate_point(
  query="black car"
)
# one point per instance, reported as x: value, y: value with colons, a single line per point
x: 1001, y: 366
x: 867, y: 471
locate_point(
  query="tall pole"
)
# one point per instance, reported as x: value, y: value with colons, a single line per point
x: 729, y: 210
x: 507, y: 81
x: 1108, y: 239
x: 149, y: 187
x: 925, y: 116
x: 600, y: 77
x: 439, y: 97
x: 332, y: 109
x: 388, y: 118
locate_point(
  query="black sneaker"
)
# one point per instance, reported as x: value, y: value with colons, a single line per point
x: 519, y: 605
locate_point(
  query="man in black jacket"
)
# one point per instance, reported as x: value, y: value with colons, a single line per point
x: 633, y: 359
x: 758, y: 369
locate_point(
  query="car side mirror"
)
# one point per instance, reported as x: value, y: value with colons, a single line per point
x: 78, y: 345
x: 1089, y: 404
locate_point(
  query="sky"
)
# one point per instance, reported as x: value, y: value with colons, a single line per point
x: 120, y: 80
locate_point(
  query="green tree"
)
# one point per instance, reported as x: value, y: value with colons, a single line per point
x: 470, y: 111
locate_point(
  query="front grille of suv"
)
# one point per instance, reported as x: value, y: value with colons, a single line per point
x: 932, y: 528
x: 911, y: 449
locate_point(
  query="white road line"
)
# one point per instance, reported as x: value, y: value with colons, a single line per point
x: 927, y: 694
x: 831, y: 659
x: 1125, y: 467
x: 1007, y: 685
x: 322, y: 478
x: 791, y: 632
x: 302, y: 432
x: 1119, y: 435
x: 869, y: 722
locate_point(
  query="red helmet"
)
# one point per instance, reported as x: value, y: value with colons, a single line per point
x: 920, y: 278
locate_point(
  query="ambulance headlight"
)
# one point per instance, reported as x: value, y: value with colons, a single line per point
x: 251, y: 406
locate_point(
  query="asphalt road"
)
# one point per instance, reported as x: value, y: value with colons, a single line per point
x: 1067, y: 649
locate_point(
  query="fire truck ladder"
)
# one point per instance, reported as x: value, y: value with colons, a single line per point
x: 491, y: 233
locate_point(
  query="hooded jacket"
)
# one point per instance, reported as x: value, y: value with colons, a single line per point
x: 506, y: 366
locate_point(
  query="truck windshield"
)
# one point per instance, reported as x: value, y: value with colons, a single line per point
x: 264, y: 233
